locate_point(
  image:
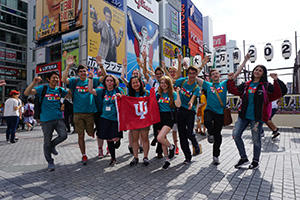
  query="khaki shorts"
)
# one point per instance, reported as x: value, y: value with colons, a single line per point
x: 84, y: 121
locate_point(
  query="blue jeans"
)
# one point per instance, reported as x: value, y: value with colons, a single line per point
x: 48, y: 129
x: 256, y: 127
x: 12, y: 123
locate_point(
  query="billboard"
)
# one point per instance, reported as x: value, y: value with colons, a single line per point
x: 219, y: 41
x: 106, y: 25
x: 195, y: 39
x: 142, y: 35
x: 70, y: 47
x: 170, y: 24
x: 53, y: 17
x: 169, y: 52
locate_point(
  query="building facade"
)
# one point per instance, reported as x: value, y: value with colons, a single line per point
x: 13, y: 46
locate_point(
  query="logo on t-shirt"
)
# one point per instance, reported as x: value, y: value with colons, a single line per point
x: 52, y: 97
x: 186, y: 92
x: 219, y: 89
x: 252, y: 89
x: 82, y: 88
x: 164, y: 100
x: 107, y: 97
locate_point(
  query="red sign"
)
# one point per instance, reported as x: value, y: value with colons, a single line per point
x: 48, y: 68
x: 11, y: 55
x: 195, y: 39
x: 142, y: 3
x: 2, y: 54
x: 219, y: 41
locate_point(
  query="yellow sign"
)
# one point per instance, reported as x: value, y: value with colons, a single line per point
x: 106, y: 25
x: 170, y: 50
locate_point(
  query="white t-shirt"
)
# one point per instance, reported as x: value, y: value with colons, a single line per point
x: 274, y: 104
x: 153, y: 83
x: 31, y: 106
x: 10, y: 104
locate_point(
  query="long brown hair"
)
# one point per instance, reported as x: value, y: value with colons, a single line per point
x: 170, y: 90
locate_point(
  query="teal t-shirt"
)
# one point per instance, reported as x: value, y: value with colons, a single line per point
x: 164, y: 102
x: 186, y: 92
x: 83, y: 101
x: 137, y: 94
x: 213, y: 102
x: 51, y: 107
x: 250, y: 109
x: 98, y: 99
x: 109, y: 110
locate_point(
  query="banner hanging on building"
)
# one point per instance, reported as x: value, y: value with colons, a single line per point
x: 106, y: 25
x: 53, y: 17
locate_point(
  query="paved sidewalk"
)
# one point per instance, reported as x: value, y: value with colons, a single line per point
x: 23, y: 171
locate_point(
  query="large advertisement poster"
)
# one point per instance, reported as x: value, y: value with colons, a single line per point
x: 57, y: 16
x: 169, y: 52
x: 142, y: 36
x: 106, y: 25
x: 70, y: 47
x: 195, y: 39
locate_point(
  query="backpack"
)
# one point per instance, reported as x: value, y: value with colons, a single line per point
x: 28, y: 112
x: 196, y: 86
x: 38, y: 103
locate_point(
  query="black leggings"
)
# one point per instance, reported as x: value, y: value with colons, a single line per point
x: 112, y: 150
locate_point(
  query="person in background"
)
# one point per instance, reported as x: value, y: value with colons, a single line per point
x: 200, y: 113
x: 12, y: 109
x: 28, y: 117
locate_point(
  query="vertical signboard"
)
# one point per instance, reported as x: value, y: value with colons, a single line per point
x: 106, y: 25
x: 142, y: 34
x: 195, y: 39
x: 70, y: 47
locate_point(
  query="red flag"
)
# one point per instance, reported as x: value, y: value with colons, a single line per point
x: 137, y: 112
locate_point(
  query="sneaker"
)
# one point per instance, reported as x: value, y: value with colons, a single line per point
x: 141, y: 149
x: 130, y: 149
x: 172, y: 152
x: 254, y: 165
x: 7, y: 141
x: 16, y: 138
x: 53, y: 151
x: 153, y: 142
x: 69, y: 132
x: 84, y: 160
x: 134, y: 162
x: 275, y: 135
x: 107, y: 152
x: 202, y: 133
x: 242, y: 162
x: 117, y: 144
x: 166, y: 165
x: 216, y: 160
x: 211, y: 139
x: 112, y: 162
x: 177, y: 151
x: 100, y: 154
x: 187, y: 161
x: 51, y: 167
x: 146, y: 161
x: 13, y: 141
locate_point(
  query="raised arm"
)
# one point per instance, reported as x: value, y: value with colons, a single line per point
x: 151, y: 64
x: 69, y: 62
x: 143, y: 67
x: 100, y: 64
x: 178, y: 101
x: 204, y: 61
x: 90, y: 84
x: 239, y: 70
x: 163, y: 64
x: 135, y: 32
x: 123, y: 72
x: 29, y: 90
x: 178, y: 75
x: 199, y: 81
x: 151, y: 41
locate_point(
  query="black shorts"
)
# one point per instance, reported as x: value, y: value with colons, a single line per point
x: 108, y: 129
x: 165, y: 120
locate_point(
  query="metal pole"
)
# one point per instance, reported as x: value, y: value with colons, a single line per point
x: 244, y: 57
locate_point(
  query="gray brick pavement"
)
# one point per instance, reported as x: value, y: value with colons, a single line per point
x: 23, y: 173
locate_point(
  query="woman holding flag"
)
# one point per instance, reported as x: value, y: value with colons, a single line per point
x: 167, y: 100
x: 136, y: 89
x: 108, y: 123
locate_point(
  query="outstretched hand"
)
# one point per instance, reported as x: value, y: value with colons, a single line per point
x: 274, y: 76
x: 91, y: 72
x: 99, y: 60
x: 179, y: 57
x: 37, y: 79
x: 230, y: 76
x: 70, y: 60
x: 144, y: 55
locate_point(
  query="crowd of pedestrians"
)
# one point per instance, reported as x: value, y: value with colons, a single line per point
x: 88, y: 103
